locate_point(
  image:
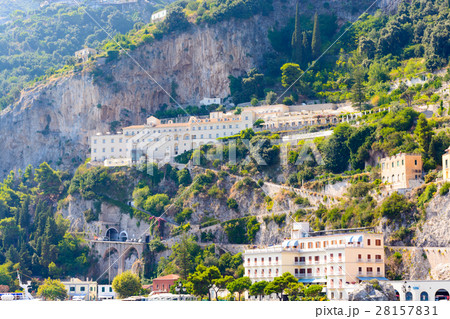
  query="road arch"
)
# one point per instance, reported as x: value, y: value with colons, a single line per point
x: 112, y: 234
x: 123, y: 236
x: 409, y: 296
x: 441, y: 294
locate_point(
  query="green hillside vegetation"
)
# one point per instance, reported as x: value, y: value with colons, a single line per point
x: 34, y: 44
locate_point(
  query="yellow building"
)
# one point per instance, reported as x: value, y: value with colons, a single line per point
x: 402, y: 171
x: 338, y: 261
x: 81, y: 290
x: 445, y: 165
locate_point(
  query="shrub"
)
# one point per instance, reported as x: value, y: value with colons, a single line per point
x: 427, y: 195
x: 279, y: 219
x: 184, y: 215
x: 232, y: 203
x: 444, y: 189
x: 395, y: 205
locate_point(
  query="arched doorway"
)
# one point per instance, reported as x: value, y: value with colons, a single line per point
x: 441, y: 294
x: 112, y: 234
x: 408, y: 296
x: 123, y: 236
x: 423, y: 296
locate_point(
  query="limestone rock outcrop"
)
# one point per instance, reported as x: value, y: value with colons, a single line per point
x: 373, y: 291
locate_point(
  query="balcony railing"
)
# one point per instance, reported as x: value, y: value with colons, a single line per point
x: 370, y: 273
x: 378, y: 260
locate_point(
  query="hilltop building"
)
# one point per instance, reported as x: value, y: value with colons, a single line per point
x: 209, y: 101
x: 338, y: 260
x: 402, y: 171
x: 445, y: 165
x: 159, y: 16
x: 84, y: 54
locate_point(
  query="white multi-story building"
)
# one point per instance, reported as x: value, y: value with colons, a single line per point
x: 106, y: 292
x: 209, y: 101
x: 159, y: 16
x: 338, y: 260
x: 159, y: 140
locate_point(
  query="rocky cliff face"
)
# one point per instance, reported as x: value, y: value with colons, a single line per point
x: 435, y: 231
x: 53, y: 121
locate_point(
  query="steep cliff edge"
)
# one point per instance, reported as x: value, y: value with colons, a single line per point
x: 52, y: 122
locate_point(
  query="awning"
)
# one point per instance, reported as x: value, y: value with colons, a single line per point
x: 289, y: 243
x: 370, y: 278
x: 359, y: 239
x: 311, y: 280
x: 349, y: 239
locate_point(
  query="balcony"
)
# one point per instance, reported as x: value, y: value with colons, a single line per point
x: 369, y: 273
x: 370, y: 260
x: 378, y: 261
x: 300, y: 275
x: 299, y: 263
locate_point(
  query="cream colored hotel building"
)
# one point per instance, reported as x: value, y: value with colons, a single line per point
x: 165, y: 139
x: 338, y: 261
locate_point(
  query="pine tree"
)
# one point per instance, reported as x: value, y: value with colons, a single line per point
x: 306, y: 49
x: 297, y: 48
x: 316, y: 43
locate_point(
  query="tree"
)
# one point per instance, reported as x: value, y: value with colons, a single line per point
x: 316, y: 43
x: 257, y: 289
x: 358, y: 88
x: 279, y: 284
x: 126, y: 284
x: 271, y: 98
x: 48, y: 179
x: 184, y: 177
x: 335, y: 150
x: 221, y: 283
x: 291, y: 77
x: 297, y: 39
x: 184, y: 255
x: 313, y: 291
x: 52, y: 290
x: 423, y: 133
x: 200, y: 282
x: 239, y: 286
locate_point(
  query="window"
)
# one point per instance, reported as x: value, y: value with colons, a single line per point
x: 360, y: 270
x: 262, y: 261
x: 310, y: 245
x: 369, y: 270
x: 359, y: 257
x: 112, y: 140
x: 309, y: 270
x: 82, y: 288
x: 296, y: 271
x: 368, y: 242
x: 104, y: 150
x: 103, y: 289
x: 318, y: 244
x: 378, y: 270
x: 369, y: 257
x: 415, y: 162
x: 72, y: 289
x: 340, y: 256
x: 403, y: 162
x: 248, y: 261
x: 302, y: 259
x: 296, y: 259
x: 95, y: 142
x: 398, y: 163
x: 95, y: 151
x: 104, y: 141
x: 110, y: 289
x: 112, y: 149
x: 377, y: 257
x: 248, y: 272
x: 382, y: 166
x: 256, y: 261
x: 316, y: 259
x: 378, y: 242
x: 270, y: 260
x: 331, y: 257
x: 302, y: 246
x: 325, y: 244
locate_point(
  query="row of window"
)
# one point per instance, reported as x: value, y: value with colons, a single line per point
x: 104, y: 150
x: 199, y: 128
x: 112, y: 141
x: 325, y: 243
x: 263, y: 273
x: 392, y: 164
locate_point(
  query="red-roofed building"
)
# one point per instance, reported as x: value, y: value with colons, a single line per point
x: 163, y: 284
